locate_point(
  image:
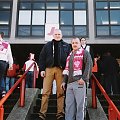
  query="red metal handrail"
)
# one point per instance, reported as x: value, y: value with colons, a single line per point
x: 113, y: 112
x: 22, y: 90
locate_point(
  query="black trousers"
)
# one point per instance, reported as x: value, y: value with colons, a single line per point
x: 111, y: 84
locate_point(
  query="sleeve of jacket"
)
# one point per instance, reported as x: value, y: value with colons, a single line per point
x: 92, y: 54
x: 42, y: 59
x: 9, y: 56
x: 87, y: 63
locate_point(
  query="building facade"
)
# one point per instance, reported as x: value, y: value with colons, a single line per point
x: 23, y: 21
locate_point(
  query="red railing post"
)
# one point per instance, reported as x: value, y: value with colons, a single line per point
x: 94, y: 99
x: 35, y: 73
x: 22, y: 93
x: 111, y: 113
x: 1, y: 112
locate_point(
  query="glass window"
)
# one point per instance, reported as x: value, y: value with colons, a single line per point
x: 5, y: 29
x: 102, y: 30
x: 24, y: 31
x: 66, y: 0
x: 102, y: 5
x: 101, y: 0
x: 64, y: 5
x: 5, y: 17
x: 38, y: 5
x: 4, y: 5
x: 108, y: 17
x: 114, y: 5
x: 52, y: 5
x: 38, y: 30
x: 24, y: 17
x: 67, y: 30
x: 114, y: 17
x: 52, y: 17
x: 80, y: 0
x: 79, y: 17
x: 70, y: 15
x: 80, y: 31
x: 115, y: 30
x: 79, y: 5
x: 66, y: 18
x: 25, y: 0
x: 102, y: 17
x: 25, y: 5
x: 38, y: 18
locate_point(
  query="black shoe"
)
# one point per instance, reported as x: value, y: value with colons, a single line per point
x: 60, y: 116
x: 42, y: 116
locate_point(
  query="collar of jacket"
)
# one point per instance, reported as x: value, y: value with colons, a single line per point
x: 56, y: 41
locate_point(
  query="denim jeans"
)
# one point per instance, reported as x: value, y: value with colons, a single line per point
x: 29, y: 79
x: 3, y: 67
x: 9, y: 82
x: 2, y: 85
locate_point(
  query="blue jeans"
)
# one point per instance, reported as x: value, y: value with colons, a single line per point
x: 29, y: 79
x: 2, y: 84
x: 9, y: 83
x: 3, y: 67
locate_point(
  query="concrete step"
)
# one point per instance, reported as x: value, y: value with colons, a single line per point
x: 51, y: 109
x: 11, y: 101
x: 49, y: 116
x: 115, y: 98
x: 8, y: 108
x: 104, y: 102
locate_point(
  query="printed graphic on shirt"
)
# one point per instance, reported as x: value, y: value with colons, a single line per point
x: 3, y: 47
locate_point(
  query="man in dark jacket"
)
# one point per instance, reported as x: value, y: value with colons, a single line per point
x: 52, y: 61
x: 109, y: 70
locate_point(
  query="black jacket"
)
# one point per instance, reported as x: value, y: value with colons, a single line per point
x: 46, y: 59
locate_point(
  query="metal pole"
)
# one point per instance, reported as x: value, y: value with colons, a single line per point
x: 22, y: 93
x: 94, y: 99
x: 1, y: 112
x: 35, y: 73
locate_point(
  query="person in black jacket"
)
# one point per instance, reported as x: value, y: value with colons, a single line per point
x: 109, y: 71
x: 52, y: 61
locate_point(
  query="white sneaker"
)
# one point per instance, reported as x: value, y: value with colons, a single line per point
x: 3, y: 93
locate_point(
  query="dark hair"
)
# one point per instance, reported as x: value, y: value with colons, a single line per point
x: 2, y: 34
x: 82, y: 38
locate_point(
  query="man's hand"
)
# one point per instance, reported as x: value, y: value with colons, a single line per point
x: 63, y: 86
x: 10, y: 68
x: 42, y: 73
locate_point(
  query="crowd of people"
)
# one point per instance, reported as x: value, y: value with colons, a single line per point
x: 70, y: 66
x: 10, y: 70
x: 108, y: 72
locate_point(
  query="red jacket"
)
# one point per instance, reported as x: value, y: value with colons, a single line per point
x: 12, y: 73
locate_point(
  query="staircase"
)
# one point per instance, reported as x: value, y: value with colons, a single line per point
x: 115, y: 98
x: 52, y: 108
x: 11, y: 101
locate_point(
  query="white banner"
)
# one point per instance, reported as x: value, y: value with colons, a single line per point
x: 49, y: 29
